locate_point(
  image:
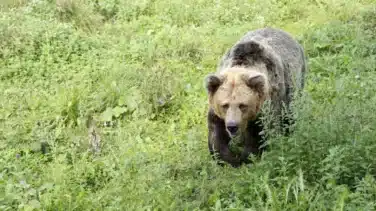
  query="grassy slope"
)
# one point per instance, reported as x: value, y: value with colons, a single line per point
x: 145, y: 65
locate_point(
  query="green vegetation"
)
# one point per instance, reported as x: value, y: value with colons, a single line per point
x: 138, y: 68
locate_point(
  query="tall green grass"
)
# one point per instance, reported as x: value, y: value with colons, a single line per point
x: 138, y: 67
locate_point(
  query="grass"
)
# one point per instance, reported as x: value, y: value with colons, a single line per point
x: 138, y: 68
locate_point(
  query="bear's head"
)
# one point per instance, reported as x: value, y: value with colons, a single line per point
x: 236, y: 96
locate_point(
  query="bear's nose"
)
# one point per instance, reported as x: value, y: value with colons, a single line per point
x: 232, y: 127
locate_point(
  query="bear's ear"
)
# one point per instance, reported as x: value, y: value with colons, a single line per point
x: 212, y: 82
x: 256, y: 82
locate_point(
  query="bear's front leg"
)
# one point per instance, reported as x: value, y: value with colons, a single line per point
x: 226, y: 155
x: 218, y: 141
x: 249, y: 148
x: 252, y: 141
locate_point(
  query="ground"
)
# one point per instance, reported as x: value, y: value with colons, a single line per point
x: 138, y: 68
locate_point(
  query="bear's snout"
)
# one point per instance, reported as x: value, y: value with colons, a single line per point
x: 232, y: 127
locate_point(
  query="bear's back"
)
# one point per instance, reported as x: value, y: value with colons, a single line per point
x: 282, y: 43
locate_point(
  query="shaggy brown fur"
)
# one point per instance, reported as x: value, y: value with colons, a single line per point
x: 265, y: 65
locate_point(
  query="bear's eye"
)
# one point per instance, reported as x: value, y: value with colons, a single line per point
x: 225, y: 106
x: 242, y: 106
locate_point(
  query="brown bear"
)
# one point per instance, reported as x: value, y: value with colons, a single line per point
x: 264, y: 65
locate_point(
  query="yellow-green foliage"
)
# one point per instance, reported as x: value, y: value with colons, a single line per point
x: 138, y: 68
